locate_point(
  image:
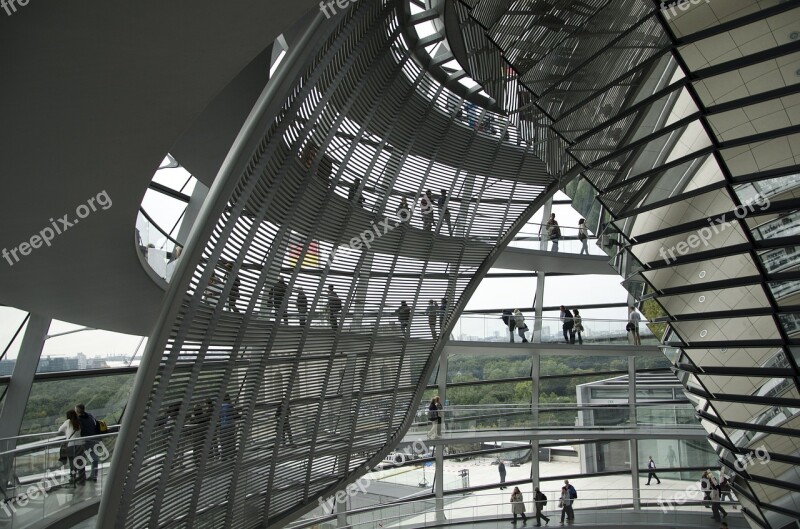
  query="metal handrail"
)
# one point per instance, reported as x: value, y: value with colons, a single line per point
x: 48, y: 443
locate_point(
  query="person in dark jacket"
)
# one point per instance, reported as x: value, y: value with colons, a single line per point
x: 539, y: 503
x: 276, y: 295
x: 302, y: 306
x: 88, y: 428
x: 501, y: 468
x: 511, y: 323
x: 435, y: 417
x: 334, y: 307
x: 568, y: 325
x: 404, y: 316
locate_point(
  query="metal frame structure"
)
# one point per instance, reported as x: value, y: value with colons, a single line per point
x: 675, y: 116
x: 616, y: 94
x: 318, y: 404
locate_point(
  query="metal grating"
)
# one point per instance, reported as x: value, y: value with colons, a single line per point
x: 358, y: 129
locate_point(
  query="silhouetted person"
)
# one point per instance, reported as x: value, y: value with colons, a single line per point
x: 277, y: 295
x: 228, y: 415
x: 302, y: 306
x: 426, y: 208
x: 233, y: 295
x: 432, y: 312
x: 403, y: 316
x: 282, y: 419
x: 334, y: 307
x: 354, y: 195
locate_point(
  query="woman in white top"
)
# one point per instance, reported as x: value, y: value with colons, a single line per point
x: 72, y: 430
x: 521, y: 327
x: 583, y: 236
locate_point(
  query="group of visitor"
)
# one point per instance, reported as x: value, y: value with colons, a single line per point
x: 79, y: 425
x: 566, y: 499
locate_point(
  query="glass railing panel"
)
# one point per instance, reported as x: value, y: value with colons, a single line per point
x: 536, y: 236
x: 490, y: 328
x: 421, y: 324
x: 157, y: 249
x: 42, y: 480
x: 105, y: 397
x: 593, y: 505
x: 466, y: 421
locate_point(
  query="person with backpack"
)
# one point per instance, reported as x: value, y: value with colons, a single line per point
x: 88, y: 428
x: 540, y: 502
x: 583, y: 236
x: 565, y: 502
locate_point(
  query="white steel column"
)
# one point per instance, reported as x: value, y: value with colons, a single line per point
x: 635, y: 482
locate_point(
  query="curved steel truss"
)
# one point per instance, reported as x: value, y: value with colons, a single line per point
x: 286, y: 400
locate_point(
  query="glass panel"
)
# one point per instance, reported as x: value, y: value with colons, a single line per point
x: 786, y: 293
x: 791, y: 323
x: 73, y: 347
x: 778, y: 226
x: 778, y: 188
x: 105, y: 397
x: 781, y: 259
